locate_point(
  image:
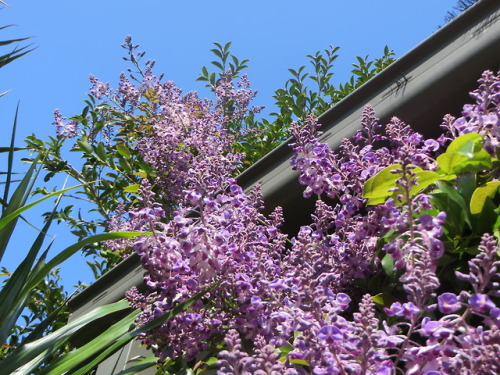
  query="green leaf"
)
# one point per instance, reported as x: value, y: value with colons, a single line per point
x: 467, y: 144
x: 211, y: 361
x: 480, y: 195
x: 384, y: 299
x: 69, y: 251
x: 376, y: 188
x: 446, y: 198
x: 456, y: 163
x: 388, y: 265
x: 123, y: 150
x: 423, y: 179
x: 28, y: 352
x: 299, y: 362
x: 101, y: 152
x: 132, y: 188
x: 107, y: 350
x: 464, y: 154
x: 14, y: 208
x: 143, y: 364
x: 104, y: 340
x: 84, y: 145
x: 5, y: 220
x: 10, y: 159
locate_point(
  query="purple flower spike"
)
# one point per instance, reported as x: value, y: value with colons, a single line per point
x: 448, y: 303
x: 330, y: 334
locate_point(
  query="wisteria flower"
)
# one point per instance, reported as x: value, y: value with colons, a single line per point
x: 448, y: 303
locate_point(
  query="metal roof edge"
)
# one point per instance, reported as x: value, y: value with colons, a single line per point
x: 109, y: 287
x: 485, y: 12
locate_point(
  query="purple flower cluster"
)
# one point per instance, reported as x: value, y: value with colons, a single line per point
x: 308, y: 305
x: 64, y: 128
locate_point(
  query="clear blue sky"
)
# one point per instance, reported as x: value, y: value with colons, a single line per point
x: 76, y: 38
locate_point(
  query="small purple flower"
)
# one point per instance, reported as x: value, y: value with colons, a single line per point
x: 481, y: 302
x: 343, y: 299
x: 256, y: 301
x: 448, y: 303
x: 330, y: 334
x: 278, y: 284
x: 431, y: 145
x: 408, y: 310
x: 435, y: 328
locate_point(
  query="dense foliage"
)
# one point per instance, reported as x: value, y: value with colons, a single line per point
x: 398, y: 270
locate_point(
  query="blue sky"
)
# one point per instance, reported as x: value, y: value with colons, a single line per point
x: 74, y: 39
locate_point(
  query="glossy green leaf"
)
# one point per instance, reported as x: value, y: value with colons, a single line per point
x: 464, y: 154
x: 467, y: 144
x: 388, y: 265
x: 480, y: 195
x: 384, y: 299
x: 123, y: 150
x: 132, y: 188
x: 453, y: 163
x: 301, y: 362
x: 423, y: 180
x: 376, y: 188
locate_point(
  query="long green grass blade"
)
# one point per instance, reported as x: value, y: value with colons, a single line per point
x: 69, y: 251
x: 104, y: 340
x: 7, y: 149
x: 14, y: 55
x: 140, y: 365
x: 13, y: 215
x: 10, y: 159
x: 18, y: 288
x: 17, y: 200
x: 31, y: 366
x: 14, y: 297
x: 14, y: 293
x: 11, y: 41
x: 32, y: 350
x: 133, y: 333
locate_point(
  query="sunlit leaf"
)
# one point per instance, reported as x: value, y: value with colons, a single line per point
x: 480, y: 195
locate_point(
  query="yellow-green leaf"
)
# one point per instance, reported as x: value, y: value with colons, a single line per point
x: 480, y: 195
x: 376, y: 188
x: 123, y: 150
x: 298, y: 362
x: 132, y: 188
x: 467, y: 144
